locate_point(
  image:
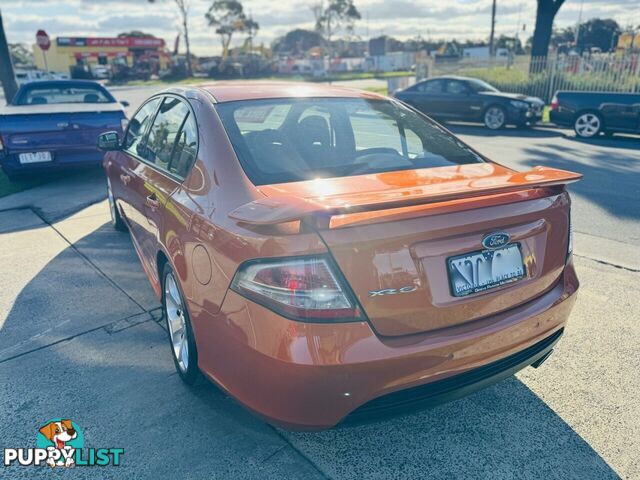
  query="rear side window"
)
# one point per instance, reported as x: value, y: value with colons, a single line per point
x: 138, y: 127
x: 185, y: 149
x: 164, y: 132
x: 431, y: 86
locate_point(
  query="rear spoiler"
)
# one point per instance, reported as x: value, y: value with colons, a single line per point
x: 278, y: 209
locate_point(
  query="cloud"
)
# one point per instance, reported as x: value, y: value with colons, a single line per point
x: 146, y: 22
x: 461, y: 19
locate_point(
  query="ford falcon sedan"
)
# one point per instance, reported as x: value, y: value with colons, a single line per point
x: 325, y: 254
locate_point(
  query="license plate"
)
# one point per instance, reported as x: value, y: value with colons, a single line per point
x: 35, y: 157
x: 485, y: 269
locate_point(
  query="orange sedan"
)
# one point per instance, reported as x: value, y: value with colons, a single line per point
x: 326, y: 254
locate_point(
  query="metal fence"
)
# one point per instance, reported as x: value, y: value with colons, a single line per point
x: 541, y: 77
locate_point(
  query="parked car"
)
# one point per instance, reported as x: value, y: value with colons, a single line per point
x: 471, y: 99
x: 593, y: 113
x: 100, y: 72
x: 53, y: 124
x: 24, y: 76
x: 323, y: 253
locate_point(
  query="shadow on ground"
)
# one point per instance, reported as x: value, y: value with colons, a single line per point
x: 118, y: 383
x: 611, y: 178
x: 57, y: 195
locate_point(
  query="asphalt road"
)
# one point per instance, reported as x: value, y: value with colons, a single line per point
x: 81, y: 338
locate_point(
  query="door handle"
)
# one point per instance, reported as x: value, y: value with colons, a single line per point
x: 152, y: 202
x: 125, y: 178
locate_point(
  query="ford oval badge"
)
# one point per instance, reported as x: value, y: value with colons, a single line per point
x: 495, y: 240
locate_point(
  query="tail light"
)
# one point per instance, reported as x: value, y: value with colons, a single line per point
x: 554, y: 103
x: 302, y: 288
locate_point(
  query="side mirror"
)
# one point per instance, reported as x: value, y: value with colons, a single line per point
x: 124, y: 103
x: 109, y: 141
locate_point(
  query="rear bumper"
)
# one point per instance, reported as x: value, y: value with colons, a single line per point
x: 454, y: 387
x: 306, y: 376
x: 560, y: 118
x: 62, y: 159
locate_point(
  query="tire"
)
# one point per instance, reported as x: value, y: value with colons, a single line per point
x: 116, y: 219
x: 495, y: 117
x: 588, y: 125
x: 181, y: 338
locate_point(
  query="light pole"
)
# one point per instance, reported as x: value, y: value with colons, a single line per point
x: 7, y: 77
x: 492, y: 50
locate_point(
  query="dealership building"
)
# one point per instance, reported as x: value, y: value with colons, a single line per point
x: 67, y: 53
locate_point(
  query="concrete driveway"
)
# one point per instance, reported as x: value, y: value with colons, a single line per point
x: 81, y: 337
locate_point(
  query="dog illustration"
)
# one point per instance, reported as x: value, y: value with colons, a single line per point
x: 59, y: 433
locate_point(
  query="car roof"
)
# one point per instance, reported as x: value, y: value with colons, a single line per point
x: 252, y: 90
x: 63, y: 83
x: 451, y: 77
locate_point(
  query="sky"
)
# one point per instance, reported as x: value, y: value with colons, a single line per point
x: 435, y: 19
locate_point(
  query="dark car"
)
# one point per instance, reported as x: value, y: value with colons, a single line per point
x: 593, y: 113
x: 471, y: 99
x: 53, y: 124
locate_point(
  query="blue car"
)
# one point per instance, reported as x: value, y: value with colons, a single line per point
x: 50, y: 125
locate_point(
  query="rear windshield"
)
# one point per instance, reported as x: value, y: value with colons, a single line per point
x: 38, y: 95
x: 288, y: 140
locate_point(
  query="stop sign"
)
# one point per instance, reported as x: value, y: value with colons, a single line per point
x: 42, y: 39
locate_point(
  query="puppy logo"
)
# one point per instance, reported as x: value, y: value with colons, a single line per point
x: 62, y: 435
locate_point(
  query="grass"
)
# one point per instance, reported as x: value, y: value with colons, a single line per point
x: 518, y: 81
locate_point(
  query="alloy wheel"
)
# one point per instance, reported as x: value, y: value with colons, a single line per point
x: 494, y: 118
x: 176, y: 322
x: 588, y: 125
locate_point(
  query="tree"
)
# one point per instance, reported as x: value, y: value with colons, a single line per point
x: 336, y: 15
x: 297, y: 41
x: 229, y: 18
x: 135, y: 33
x: 20, y: 54
x: 512, y: 44
x: 563, y: 36
x: 183, y: 8
x: 545, y: 14
x: 599, y: 33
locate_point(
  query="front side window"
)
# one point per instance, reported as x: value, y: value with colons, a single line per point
x: 430, y: 86
x: 335, y: 137
x: 138, y: 127
x: 455, y: 87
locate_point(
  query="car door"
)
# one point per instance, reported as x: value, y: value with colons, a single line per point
x: 124, y: 181
x: 158, y: 175
x: 426, y: 96
x: 619, y: 111
x: 458, y: 100
x: 164, y: 215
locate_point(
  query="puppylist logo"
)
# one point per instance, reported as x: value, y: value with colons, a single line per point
x: 60, y: 443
